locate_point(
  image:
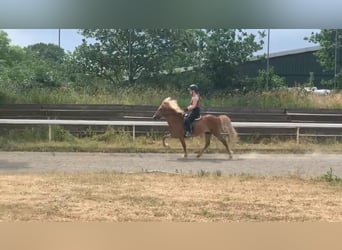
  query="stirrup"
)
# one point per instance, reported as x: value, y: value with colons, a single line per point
x: 187, y: 134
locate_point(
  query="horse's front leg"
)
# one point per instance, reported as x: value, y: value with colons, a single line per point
x: 184, y: 146
x: 164, y: 138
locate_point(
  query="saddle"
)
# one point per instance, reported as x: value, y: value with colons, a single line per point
x: 191, y: 125
x: 197, y: 119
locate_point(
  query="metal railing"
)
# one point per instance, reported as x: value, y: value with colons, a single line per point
x: 134, y: 124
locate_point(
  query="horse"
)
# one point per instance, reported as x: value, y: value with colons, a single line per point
x: 206, y: 124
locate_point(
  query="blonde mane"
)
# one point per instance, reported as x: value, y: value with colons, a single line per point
x: 173, y: 105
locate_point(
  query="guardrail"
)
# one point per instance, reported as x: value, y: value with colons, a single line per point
x: 117, y: 112
x: 290, y: 125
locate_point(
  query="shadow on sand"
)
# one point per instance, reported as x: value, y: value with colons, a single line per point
x: 203, y: 159
x: 10, y: 166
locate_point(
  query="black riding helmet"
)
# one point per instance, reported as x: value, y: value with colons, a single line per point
x: 193, y: 87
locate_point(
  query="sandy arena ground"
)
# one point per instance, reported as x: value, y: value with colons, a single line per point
x: 303, y: 165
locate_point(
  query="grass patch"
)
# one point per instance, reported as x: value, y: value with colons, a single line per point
x: 122, y: 141
x: 330, y: 177
x: 143, y: 95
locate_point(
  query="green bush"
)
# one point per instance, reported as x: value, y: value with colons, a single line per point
x: 331, y: 177
x: 274, y: 81
x: 112, y: 135
x: 61, y: 134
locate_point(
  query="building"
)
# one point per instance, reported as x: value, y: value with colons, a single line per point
x: 295, y: 66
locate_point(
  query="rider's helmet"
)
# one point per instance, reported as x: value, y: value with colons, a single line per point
x: 193, y: 87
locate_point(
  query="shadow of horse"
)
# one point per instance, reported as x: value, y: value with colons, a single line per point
x: 10, y: 166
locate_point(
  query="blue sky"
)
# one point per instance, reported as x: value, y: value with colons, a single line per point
x: 24, y: 37
x: 280, y: 39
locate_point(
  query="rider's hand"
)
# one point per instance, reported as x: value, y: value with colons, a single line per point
x: 186, y: 110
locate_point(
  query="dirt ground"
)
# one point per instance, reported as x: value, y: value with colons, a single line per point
x: 165, y: 187
x: 116, y: 197
x: 303, y: 165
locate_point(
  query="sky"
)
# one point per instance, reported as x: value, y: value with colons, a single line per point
x: 280, y: 39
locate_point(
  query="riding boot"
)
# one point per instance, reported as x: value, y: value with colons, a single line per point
x: 187, y: 126
x: 187, y: 134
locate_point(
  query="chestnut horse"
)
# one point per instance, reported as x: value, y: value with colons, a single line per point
x: 207, y: 124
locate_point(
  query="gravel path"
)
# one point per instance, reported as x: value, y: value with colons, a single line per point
x: 305, y: 165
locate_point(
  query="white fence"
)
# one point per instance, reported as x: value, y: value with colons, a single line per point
x: 134, y: 124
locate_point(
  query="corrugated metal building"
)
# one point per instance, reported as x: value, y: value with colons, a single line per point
x: 294, y: 65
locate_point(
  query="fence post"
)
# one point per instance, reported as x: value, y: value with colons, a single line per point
x: 133, y: 132
x: 297, y: 136
x: 50, y: 131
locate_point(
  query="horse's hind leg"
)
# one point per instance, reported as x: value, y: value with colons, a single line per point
x: 207, y: 143
x: 224, y: 142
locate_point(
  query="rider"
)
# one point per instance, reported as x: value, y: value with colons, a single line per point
x: 193, y: 108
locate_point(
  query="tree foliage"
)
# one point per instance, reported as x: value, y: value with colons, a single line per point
x: 132, y: 53
x: 50, y: 52
x: 224, y: 50
x: 135, y: 54
x: 36, y: 66
x: 326, y: 38
x: 145, y: 57
x: 9, y: 55
x: 330, y: 41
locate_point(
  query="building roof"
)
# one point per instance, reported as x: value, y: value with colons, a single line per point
x: 294, y: 51
x: 287, y: 52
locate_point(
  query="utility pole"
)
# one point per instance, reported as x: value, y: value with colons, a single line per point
x: 129, y: 56
x: 59, y: 38
x: 268, y: 58
x: 335, y: 59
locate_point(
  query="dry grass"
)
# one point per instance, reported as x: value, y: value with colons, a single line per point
x: 108, y: 196
x: 329, y: 102
x: 154, y: 145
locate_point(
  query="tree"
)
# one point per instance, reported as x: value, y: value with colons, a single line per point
x: 274, y: 81
x: 50, y: 52
x: 133, y: 53
x: 4, y: 46
x: 224, y: 50
x: 9, y: 55
x: 326, y: 38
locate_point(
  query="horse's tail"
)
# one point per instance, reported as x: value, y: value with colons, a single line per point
x: 227, y: 127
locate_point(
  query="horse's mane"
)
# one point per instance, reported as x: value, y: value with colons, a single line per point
x: 173, y: 105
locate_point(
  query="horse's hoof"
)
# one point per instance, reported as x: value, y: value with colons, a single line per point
x: 230, y: 155
x: 185, y: 156
x: 198, y: 156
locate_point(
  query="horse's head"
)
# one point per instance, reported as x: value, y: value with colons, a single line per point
x: 164, y: 106
x: 168, y: 106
